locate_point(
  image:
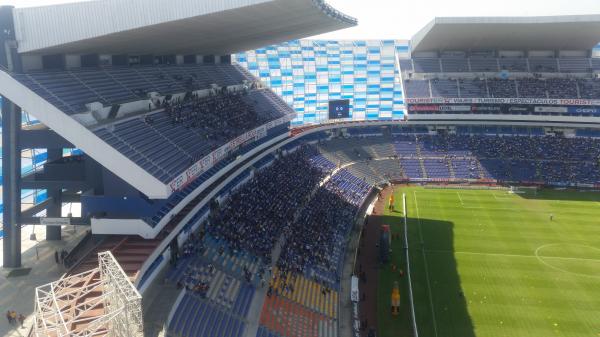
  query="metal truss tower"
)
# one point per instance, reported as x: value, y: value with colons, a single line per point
x: 72, y: 307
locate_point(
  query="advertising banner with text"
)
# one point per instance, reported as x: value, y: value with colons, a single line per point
x: 219, y: 154
x: 540, y: 101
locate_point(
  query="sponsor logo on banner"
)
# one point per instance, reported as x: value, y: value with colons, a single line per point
x: 439, y: 108
x: 539, y: 101
x: 424, y: 108
x: 455, y: 108
x: 557, y: 109
x: 519, y: 109
x: 219, y: 154
x: 584, y: 110
x: 487, y: 108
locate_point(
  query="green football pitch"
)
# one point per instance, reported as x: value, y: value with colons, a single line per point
x: 487, y: 263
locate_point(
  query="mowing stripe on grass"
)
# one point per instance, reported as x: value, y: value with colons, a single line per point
x: 480, y: 259
x: 426, y: 266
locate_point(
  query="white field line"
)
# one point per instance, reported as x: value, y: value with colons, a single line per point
x: 501, y: 197
x: 516, y: 255
x: 407, y: 256
x: 426, y: 266
x: 491, y: 208
x: 460, y: 198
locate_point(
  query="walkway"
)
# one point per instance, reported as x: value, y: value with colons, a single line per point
x: 17, y: 293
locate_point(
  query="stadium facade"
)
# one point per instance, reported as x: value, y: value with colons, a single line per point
x: 310, y: 73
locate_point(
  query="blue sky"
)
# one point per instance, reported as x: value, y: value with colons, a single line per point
x: 400, y: 19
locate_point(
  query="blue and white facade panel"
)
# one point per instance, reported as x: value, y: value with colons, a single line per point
x: 310, y: 73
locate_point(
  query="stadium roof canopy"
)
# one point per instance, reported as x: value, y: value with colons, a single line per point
x: 164, y: 27
x: 578, y: 32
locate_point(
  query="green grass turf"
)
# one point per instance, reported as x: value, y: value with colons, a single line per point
x: 521, y: 274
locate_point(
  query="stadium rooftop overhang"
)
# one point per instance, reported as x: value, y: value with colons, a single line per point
x: 578, y: 32
x: 166, y: 27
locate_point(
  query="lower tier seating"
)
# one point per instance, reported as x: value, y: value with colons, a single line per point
x: 196, y: 317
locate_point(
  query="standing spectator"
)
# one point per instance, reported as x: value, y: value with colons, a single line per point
x: 22, y: 320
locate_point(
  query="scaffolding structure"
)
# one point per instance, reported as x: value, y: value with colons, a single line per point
x: 99, y: 302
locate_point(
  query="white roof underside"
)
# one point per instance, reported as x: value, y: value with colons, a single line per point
x: 163, y: 27
x: 579, y: 32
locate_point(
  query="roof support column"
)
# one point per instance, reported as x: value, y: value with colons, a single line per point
x: 11, y: 150
x: 11, y: 191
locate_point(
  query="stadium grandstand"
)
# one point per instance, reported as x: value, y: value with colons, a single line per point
x: 221, y: 166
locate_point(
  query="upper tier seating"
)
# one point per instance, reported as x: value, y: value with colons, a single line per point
x: 562, y: 88
x: 166, y: 143
x: 479, y: 64
x: 427, y: 65
x: 575, y: 65
x: 455, y: 64
x: 513, y: 64
x: 504, y: 88
x: 70, y: 90
x: 406, y: 65
x: 543, y: 65
x: 444, y: 88
x: 472, y: 88
x: 484, y: 64
x: 532, y: 88
x: 417, y: 88
x: 589, y: 88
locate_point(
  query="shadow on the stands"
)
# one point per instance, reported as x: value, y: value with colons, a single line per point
x: 441, y: 278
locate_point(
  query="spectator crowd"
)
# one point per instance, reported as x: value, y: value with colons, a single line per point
x: 256, y: 214
x: 223, y: 115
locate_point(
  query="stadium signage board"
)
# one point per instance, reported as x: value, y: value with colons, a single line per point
x: 469, y: 108
x: 354, y: 292
x: 339, y: 109
x: 556, y: 109
x: 356, y: 318
x: 504, y: 109
x: 541, y: 101
x: 584, y: 110
x: 219, y: 154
